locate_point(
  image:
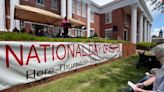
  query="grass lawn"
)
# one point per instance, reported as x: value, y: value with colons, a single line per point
x: 106, y: 78
x: 11, y: 36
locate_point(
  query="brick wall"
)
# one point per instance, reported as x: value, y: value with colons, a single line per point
x: 96, y: 24
x: 118, y: 18
x: 47, y: 5
x: 128, y: 49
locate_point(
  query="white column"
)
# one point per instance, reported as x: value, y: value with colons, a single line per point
x: 12, y: 4
x: 141, y: 28
x: 13, y: 22
x: 69, y: 9
x: 17, y: 22
x: 145, y: 30
x: 150, y: 33
x: 88, y: 21
x: 148, y: 30
x: 63, y: 8
x: 2, y: 16
x: 134, y: 24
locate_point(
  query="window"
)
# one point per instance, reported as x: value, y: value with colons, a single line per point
x: 74, y: 6
x: 84, y: 9
x: 92, y: 33
x: 54, y: 4
x: 40, y: 2
x: 92, y: 17
x: 22, y: 24
x: 108, y: 18
x: 109, y: 33
x: 33, y: 27
x: 125, y: 35
x: 56, y: 31
x: 78, y: 8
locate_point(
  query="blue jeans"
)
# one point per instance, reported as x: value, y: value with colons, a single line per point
x: 140, y: 81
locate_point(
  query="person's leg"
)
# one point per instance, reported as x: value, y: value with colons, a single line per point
x: 66, y: 32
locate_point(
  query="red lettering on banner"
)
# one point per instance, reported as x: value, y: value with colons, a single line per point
x: 30, y: 56
x: 45, y: 48
x: 83, y: 51
x: 104, y: 48
x: 70, y: 50
x: 90, y: 51
x: 53, y: 52
x: 78, y: 50
x: 61, y: 58
x: 99, y: 48
x: 8, y: 49
x: 95, y: 49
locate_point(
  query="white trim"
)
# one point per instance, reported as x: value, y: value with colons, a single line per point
x: 92, y: 29
x: 119, y: 4
x: 145, y: 9
x: 56, y: 6
x: 40, y: 3
x: 84, y: 9
x: 108, y: 29
x: 95, y: 8
x: 93, y: 15
x: 111, y: 19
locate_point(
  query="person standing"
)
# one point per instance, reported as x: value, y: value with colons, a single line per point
x: 65, y: 24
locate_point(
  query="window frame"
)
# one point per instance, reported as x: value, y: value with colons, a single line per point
x: 56, y: 8
x: 106, y: 34
x: 38, y: 3
x: 84, y: 9
x: 108, y: 16
x: 79, y: 8
x: 92, y: 17
x: 74, y: 6
x: 92, y: 33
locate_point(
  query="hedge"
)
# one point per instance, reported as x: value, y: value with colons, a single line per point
x: 11, y: 36
x: 145, y: 46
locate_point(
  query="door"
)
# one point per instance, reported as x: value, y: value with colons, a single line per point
x: 125, y: 35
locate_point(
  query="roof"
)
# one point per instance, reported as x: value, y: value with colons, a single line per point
x: 114, y: 3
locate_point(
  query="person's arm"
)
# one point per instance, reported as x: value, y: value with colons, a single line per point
x: 146, y: 83
x: 141, y: 90
x: 149, y: 81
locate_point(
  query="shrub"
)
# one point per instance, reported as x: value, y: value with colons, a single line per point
x: 95, y: 35
x: 11, y: 36
x: 145, y: 46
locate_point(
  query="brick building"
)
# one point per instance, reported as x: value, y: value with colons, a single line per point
x: 128, y: 20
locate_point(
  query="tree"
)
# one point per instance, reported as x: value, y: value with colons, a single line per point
x: 159, y: 5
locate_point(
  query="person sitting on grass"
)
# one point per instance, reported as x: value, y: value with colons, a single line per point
x: 158, y: 79
x: 147, y: 81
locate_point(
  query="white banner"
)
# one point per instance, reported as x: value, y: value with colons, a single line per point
x: 24, y: 62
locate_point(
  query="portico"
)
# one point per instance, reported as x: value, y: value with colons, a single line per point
x: 144, y: 23
x: 140, y: 23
